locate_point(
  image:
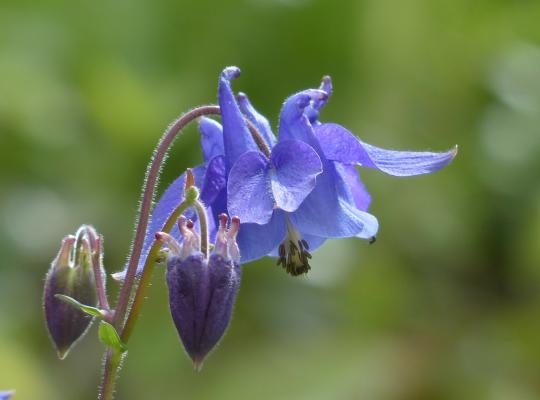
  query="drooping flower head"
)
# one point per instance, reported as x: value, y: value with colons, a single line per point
x: 292, y: 193
x: 336, y: 206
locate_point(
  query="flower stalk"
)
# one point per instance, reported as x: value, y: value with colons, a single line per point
x: 126, y: 314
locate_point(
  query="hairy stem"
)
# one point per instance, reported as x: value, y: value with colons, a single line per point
x: 130, y: 314
x: 111, y: 366
x: 112, y: 359
x: 147, y: 273
x: 149, y: 188
x: 257, y: 137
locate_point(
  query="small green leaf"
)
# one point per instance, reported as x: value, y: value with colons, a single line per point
x: 96, y: 312
x: 109, y: 336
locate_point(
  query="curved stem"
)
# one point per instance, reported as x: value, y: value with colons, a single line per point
x: 149, y: 189
x: 257, y: 137
x: 122, y: 312
x: 112, y: 359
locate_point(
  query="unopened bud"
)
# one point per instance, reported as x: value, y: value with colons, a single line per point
x: 71, y: 274
x: 202, y: 292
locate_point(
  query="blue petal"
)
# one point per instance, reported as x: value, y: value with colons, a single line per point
x: 327, y: 213
x: 341, y: 145
x: 312, y: 111
x: 171, y: 198
x: 215, y: 180
x: 249, y: 190
x: 293, y: 177
x: 211, y: 138
x: 236, y: 136
x: 258, y: 120
x: 219, y: 206
x: 293, y: 124
x: 210, y: 179
x: 354, y: 190
x: 314, y: 242
x: 256, y: 241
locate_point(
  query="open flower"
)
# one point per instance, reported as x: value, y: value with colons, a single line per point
x: 303, y: 190
x: 323, y: 213
x: 336, y: 207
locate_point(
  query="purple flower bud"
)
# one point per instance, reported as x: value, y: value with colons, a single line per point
x: 202, y: 291
x: 71, y: 274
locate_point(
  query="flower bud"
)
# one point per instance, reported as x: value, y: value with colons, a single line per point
x: 202, y: 291
x: 71, y: 274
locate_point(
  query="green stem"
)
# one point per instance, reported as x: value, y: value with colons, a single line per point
x: 201, y: 213
x: 147, y: 273
x: 112, y: 362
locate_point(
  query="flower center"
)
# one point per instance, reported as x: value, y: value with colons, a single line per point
x: 293, y: 253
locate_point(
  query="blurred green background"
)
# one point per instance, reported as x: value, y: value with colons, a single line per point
x: 446, y: 304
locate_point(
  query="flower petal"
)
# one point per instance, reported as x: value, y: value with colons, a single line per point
x: 327, y: 213
x: 354, y: 189
x: 341, y: 145
x: 256, y: 241
x: 236, y: 136
x: 170, y: 199
x: 211, y: 138
x: 215, y: 179
x: 249, y: 190
x: 312, y: 111
x: 293, y: 124
x: 293, y: 177
x: 258, y: 120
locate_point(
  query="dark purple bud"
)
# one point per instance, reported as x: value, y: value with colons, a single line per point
x: 202, y: 292
x: 71, y: 274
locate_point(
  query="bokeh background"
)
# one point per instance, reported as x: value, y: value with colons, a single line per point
x: 445, y: 305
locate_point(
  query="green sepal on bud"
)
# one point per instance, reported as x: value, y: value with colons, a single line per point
x: 92, y: 311
x: 107, y: 333
x: 71, y: 275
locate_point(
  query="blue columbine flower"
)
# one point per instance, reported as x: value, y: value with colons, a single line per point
x: 305, y: 191
x: 337, y: 205
x: 323, y: 213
